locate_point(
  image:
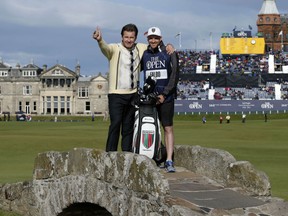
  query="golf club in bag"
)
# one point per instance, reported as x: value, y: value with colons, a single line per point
x: 147, y: 129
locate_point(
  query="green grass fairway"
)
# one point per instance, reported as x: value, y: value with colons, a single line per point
x: 20, y: 142
x: 265, y: 145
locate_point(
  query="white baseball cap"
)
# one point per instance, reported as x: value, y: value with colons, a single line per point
x: 154, y: 31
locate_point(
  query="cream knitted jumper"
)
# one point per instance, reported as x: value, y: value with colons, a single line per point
x: 119, y: 72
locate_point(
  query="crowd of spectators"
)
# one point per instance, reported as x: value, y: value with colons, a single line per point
x: 252, y: 65
x: 189, y: 59
x: 200, y: 90
x: 284, y: 90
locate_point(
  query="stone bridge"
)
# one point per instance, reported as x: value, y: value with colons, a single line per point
x: 94, y: 182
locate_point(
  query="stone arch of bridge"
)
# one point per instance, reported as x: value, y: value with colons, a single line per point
x: 87, y: 209
x: 116, y: 182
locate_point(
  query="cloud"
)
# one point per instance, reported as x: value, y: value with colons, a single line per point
x: 187, y: 16
x: 53, y: 30
x: 68, y: 12
x: 22, y: 58
x: 50, y: 13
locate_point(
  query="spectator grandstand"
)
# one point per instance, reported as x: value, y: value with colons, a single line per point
x: 242, y: 77
x: 249, y: 64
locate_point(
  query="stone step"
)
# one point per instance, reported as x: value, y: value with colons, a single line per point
x: 198, y: 192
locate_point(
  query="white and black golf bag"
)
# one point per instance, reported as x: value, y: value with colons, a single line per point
x: 147, y: 129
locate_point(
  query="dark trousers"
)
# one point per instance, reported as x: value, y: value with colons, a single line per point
x: 122, y: 117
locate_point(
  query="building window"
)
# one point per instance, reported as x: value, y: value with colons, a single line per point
x: 267, y: 19
x: 55, y: 102
x: 27, y: 107
x: 20, y: 105
x: 57, y: 72
x: 83, y: 92
x: 34, y: 106
x: 27, y: 73
x: 275, y: 34
x: 27, y: 90
x: 68, y: 82
x: 68, y: 104
x: 55, y: 82
x: 3, y: 73
x: 62, y: 82
x: 48, y: 82
x: 62, y: 104
x: 87, y: 106
x: 43, y: 105
x: 268, y: 36
x: 48, y: 102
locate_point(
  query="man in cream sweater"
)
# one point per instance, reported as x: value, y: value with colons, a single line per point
x: 124, y: 67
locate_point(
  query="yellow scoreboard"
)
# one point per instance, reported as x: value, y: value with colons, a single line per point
x: 234, y: 46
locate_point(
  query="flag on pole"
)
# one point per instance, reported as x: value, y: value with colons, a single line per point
x: 179, y: 38
x: 280, y: 33
x: 250, y: 27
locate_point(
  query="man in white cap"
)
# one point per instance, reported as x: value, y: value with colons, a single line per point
x: 158, y: 63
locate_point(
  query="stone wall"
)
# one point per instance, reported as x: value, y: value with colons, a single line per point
x: 121, y: 183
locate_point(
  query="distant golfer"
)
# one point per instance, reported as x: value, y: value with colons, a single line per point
x: 220, y: 119
x: 204, y: 120
x: 243, y: 118
x: 228, y: 119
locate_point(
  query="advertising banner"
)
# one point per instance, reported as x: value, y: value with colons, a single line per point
x: 240, y: 34
x: 188, y: 106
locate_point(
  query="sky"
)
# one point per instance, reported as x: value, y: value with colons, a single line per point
x: 60, y: 31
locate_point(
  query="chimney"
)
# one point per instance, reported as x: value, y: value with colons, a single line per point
x: 44, y: 68
x: 77, y: 69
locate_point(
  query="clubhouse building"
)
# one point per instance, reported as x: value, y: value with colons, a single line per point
x: 51, y: 91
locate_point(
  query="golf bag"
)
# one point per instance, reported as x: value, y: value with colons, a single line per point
x: 147, y: 128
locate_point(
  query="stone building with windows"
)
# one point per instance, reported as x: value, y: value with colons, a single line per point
x: 51, y: 91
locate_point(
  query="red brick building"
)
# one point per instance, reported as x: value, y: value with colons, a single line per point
x: 273, y: 27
